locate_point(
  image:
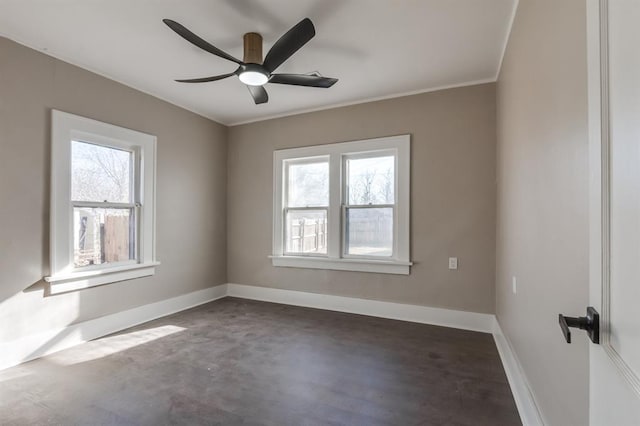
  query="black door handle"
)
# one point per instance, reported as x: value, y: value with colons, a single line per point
x: 590, y: 323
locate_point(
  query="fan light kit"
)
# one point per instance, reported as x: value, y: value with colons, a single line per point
x: 253, y: 71
x: 253, y: 77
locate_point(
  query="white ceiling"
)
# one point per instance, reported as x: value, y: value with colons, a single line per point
x: 377, y: 48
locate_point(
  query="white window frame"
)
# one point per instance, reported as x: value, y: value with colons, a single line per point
x: 65, y: 276
x: 335, y: 259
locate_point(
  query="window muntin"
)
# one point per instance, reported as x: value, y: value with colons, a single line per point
x: 367, y: 216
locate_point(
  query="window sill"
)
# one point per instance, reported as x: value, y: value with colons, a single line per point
x: 64, y: 283
x: 357, y: 265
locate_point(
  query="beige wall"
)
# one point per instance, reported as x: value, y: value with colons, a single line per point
x: 453, y: 197
x: 191, y: 191
x: 542, y: 233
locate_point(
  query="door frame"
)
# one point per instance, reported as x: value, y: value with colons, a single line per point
x: 599, y: 183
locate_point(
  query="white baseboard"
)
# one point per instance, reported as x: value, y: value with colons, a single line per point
x: 522, y: 393
x: 398, y: 311
x: 47, y: 342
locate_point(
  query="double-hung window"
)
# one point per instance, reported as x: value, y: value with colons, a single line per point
x: 102, y: 203
x: 306, y: 209
x: 343, y: 206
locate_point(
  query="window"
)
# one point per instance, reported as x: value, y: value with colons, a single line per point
x: 369, y: 204
x: 343, y: 206
x: 307, y: 206
x: 102, y: 203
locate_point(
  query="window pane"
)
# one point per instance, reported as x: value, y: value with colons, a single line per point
x: 371, y: 180
x: 308, y: 184
x: 102, y: 236
x: 369, y: 231
x: 100, y: 173
x: 306, y: 231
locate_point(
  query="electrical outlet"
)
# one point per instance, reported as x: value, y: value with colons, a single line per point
x: 514, y: 285
x: 453, y: 263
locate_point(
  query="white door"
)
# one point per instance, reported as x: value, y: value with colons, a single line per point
x: 614, y: 128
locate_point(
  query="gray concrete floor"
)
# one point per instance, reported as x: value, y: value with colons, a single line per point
x: 243, y: 362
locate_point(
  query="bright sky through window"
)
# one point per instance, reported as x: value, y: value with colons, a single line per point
x: 100, y: 173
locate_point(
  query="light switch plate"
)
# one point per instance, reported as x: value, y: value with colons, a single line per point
x: 514, y: 285
x: 453, y: 263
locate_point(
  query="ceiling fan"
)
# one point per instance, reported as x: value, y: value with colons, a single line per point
x: 252, y: 71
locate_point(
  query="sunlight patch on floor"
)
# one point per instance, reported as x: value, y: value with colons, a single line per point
x: 106, y: 346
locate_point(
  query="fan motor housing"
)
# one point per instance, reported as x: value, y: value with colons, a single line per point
x: 252, y: 48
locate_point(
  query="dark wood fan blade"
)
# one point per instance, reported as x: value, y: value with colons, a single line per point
x: 289, y: 44
x: 194, y: 39
x: 206, y: 79
x: 259, y: 94
x: 303, y: 80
